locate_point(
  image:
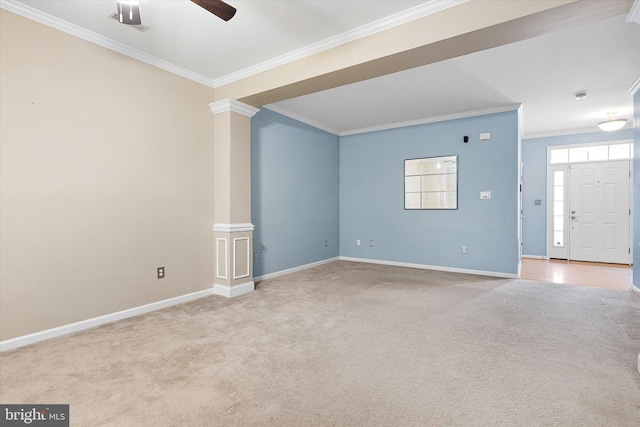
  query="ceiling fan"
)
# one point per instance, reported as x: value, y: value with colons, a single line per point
x: 129, y: 10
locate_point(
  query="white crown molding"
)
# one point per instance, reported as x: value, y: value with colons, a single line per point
x: 462, y: 115
x: 634, y: 88
x: 231, y: 228
x: 300, y: 118
x: 634, y: 13
x: 428, y: 8
x: 90, y: 36
x: 97, y: 321
x: 225, y: 105
x: 594, y: 129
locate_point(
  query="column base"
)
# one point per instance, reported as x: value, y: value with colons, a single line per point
x: 233, y: 291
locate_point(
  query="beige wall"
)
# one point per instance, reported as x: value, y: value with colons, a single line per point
x: 233, y: 168
x: 106, y: 174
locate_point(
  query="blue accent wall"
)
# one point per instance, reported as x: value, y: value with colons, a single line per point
x: 372, y: 195
x: 534, y: 183
x: 636, y: 189
x: 295, y: 193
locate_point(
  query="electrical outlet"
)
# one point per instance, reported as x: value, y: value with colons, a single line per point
x: 255, y: 255
x: 464, y: 250
x: 326, y: 243
x: 160, y: 272
x: 358, y: 242
x: 372, y: 243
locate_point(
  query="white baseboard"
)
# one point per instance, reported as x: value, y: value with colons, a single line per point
x: 534, y: 256
x: 97, y: 321
x: 433, y: 267
x: 295, y: 269
x: 635, y: 288
x: 233, y: 291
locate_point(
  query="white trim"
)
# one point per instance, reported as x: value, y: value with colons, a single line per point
x: 534, y: 256
x: 559, y: 252
x: 235, y: 241
x: 462, y: 115
x: 227, y: 104
x: 428, y: 8
x: 300, y: 118
x: 295, y: 269
x: 233, y: 228
x: 634, y: 13
x: 100, y: 320
x: 233, y: 291
x: 420, y: 11
x: 226, y: 257
x: 432, y: 267
x: 594, y: 129
x: 588, y: 144
x: 634, y: 88
x: 635, y: 288
x: 100, y: 40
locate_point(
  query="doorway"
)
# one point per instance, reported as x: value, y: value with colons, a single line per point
x: 589, y: 203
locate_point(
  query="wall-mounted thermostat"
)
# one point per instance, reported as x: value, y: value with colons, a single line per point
x: 485, y: 136
x: 484, y: 195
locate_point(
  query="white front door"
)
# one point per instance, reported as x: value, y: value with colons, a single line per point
x: 599, y: 208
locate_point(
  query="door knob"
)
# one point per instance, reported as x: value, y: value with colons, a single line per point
x: 573, y: 217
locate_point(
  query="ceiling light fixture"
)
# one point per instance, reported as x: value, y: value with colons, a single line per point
x: 612, y: 124
x: 581, y: 95
x: 128, y: 12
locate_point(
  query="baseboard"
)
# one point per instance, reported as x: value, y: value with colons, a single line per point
x: 635, y: 288
x: 97, y: 321
x: 233, y: 291
x: 433, y: 267
x: 294, y: 269
x: 534, y: 256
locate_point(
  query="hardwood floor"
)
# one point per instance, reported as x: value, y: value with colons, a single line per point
x: 598, y: 275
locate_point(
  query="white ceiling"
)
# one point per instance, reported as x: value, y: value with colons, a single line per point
x: 542, y: 74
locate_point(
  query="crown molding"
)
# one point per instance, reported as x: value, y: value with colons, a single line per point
x: 462, y: 115
x: 593, y: 129
x: 634, y: 13
x: 634, y: 88
x: 225, y: 105
x: 302, y: 119
x: 428, y: 8
x: 90, y: 36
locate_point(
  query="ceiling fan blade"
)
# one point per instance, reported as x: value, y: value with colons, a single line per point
x: 218, y: 8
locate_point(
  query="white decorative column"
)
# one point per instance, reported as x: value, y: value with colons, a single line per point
x: 233, y: 231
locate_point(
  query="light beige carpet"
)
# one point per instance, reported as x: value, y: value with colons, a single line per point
x: 349, y: 344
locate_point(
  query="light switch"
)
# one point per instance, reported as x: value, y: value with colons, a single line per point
x: 485, y: 195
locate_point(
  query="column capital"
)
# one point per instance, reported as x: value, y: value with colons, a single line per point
x: 231, y: 228
x: 225, y: 105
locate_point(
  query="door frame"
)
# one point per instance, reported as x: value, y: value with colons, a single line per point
x: 552, y: 252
